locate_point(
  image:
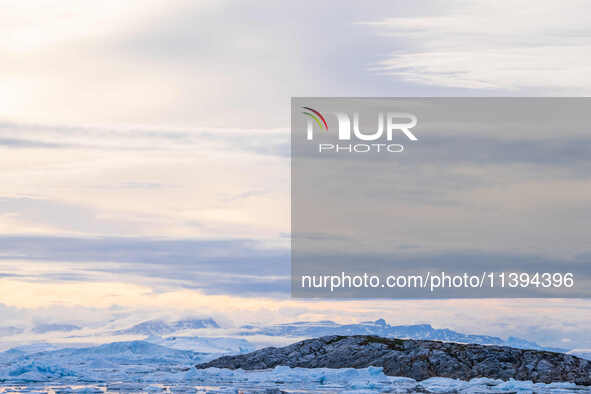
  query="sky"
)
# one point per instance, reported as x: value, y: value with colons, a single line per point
x: 144, y: 147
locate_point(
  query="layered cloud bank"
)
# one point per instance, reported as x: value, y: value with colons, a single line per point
x: 145, y: 166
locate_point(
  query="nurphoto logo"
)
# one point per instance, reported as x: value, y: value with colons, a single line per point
x: 389, y: 124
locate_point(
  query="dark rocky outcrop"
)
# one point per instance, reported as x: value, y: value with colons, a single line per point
x: 417, y: 359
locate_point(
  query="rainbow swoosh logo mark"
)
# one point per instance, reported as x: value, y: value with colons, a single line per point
x: 317, y: 116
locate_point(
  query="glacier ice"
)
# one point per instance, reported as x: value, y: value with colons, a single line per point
x: 371, y: 379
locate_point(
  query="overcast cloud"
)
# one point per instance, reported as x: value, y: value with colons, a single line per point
x: 138, y: 137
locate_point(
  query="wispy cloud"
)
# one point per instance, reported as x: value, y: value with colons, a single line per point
x: 143, y: 139
x: 93, y: 180
x: 215, y: 266
x: 490, y: 45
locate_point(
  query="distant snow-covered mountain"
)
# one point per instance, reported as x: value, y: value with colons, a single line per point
x: 381, y: 328
x: 216, y: 345
x: 177, y: 335
x: 161, y: 327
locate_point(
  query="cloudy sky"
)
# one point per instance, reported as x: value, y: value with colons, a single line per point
x: 144, y: 145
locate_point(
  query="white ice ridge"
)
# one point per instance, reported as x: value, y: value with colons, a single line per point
x: 347, y: 380
x: 370, y: 379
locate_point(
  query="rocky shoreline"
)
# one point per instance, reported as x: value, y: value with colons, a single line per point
x: 417, y: 359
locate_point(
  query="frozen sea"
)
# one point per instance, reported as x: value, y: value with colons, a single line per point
x: 279, y: 379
